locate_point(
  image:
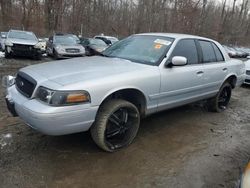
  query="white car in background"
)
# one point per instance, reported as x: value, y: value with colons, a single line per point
x: 247, y: 80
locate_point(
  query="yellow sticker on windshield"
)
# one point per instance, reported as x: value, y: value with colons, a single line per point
x: 158, y: 46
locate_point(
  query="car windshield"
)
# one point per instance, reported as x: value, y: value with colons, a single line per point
x: 65, y: 40
x: 97, y: 42
x: 22, y: 35
x: 74, y: 37
x: 140, y: 48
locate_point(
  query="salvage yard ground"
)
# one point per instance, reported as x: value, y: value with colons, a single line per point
x: 183, y: 147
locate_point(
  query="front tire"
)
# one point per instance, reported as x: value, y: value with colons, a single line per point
x: 116, y: 125
x: 220, y: 102
x: 55, y: 55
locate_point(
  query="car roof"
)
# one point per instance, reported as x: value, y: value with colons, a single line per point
x: 175, y: 35
x: 20, y: 30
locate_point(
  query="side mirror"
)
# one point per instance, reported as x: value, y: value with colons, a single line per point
x: 4, y: 36
x: 8, y: 81
x: 179, y: 61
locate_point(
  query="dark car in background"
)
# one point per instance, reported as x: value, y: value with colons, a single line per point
x: 3, y: 36
x: 22, y: 43
x: 64, y: 46
x: 93, y: 46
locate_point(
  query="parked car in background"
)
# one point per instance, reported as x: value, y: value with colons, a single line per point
x: 245, y: 178
x: 240, y: 52
x: 246, y: 50
x: 93, y: 46
x: 107, y: 39
x: 247, y: 63
x: 3, y: 36
x: 64, y: 46
x: 109, y: 94
x: 22, y: 43
x: 230, y: 51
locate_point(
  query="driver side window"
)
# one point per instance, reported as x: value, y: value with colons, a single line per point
x: 186, y: 48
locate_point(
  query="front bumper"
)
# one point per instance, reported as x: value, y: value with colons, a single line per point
x: 50, y: 120
x: 247, y: 80
x: 68, y: 55
x: 29, y: 52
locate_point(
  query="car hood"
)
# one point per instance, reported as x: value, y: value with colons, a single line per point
x: 95, y: 47
x: 82, y: 69
x: 22, y: 41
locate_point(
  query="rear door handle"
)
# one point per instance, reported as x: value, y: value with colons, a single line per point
x: 225, y: 69
x: 200, y: 72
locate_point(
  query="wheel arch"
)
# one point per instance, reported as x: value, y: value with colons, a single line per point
x: 232, y: 80
x: 131, y: 94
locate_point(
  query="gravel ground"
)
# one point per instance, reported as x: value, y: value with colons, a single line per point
x: 184, y: 147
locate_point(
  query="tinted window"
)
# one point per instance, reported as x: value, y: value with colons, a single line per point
x: 22, y: 35
x: 187, y: 48
x: 218, y: 53
x: 208, y: 52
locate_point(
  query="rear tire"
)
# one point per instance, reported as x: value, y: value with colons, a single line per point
x: 116, y: 125
x: 220, y: 102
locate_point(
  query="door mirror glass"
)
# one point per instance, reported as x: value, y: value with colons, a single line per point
x: 179, y: 61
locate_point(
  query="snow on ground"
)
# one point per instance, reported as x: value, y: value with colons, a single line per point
x: 1, y: 54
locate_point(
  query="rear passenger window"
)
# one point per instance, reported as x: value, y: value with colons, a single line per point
x: 186, y: 48
x: 218, y: 53
x: 208, y: 52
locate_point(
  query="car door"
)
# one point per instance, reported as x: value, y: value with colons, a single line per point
x: 181, y: 84
x: 215, y: 69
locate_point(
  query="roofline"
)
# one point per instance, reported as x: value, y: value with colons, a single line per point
x: 176, y: 35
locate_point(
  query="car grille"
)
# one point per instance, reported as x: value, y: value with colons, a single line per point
x: 247, y: 81
x: 25, y: 84
x: 22, y: 47
x: 72, y: 50
x: 248, y: 72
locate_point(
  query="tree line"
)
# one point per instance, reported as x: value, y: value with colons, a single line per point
x: 227, y: 23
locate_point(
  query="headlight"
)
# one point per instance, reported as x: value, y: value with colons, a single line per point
x: 8, y: 43
x: 59, y: 48
x: 38, y: 45
x: 62, y: 98
x: 8, y: 81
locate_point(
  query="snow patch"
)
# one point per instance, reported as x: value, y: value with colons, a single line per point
x: 1, y: 54
x: 5, y: 140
